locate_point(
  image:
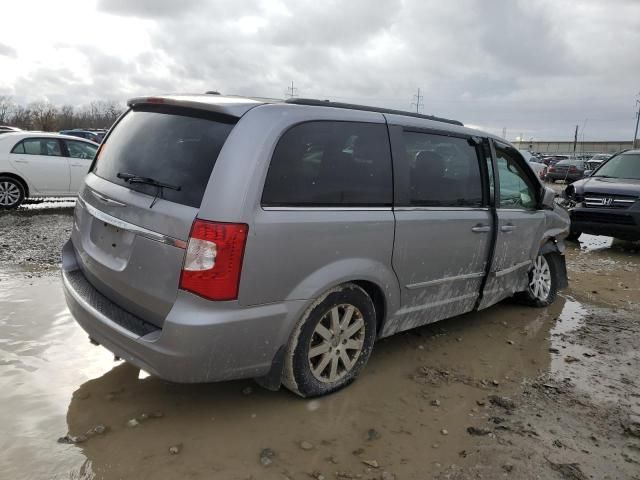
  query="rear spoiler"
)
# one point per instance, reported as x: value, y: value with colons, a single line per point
x: 226, y: 105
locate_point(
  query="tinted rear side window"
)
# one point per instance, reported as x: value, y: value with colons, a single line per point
x: 444, y: 171
x: 330, y: 164
x: 171, y: 145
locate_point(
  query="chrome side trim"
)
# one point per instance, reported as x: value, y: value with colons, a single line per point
x: 326, y: 209
x: 109, y: 201
x: 130, y: 227
x: 467, y: 276
x: 441, y: 209
x: 517, y: 266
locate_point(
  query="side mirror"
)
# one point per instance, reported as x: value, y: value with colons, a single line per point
x: 548, y: 198
x: 588, y: 173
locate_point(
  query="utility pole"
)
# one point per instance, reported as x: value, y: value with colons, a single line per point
x: 291, y: 91
x: 504, y: 132
x: 575, y: 141
x: 635, y: 135
x: 418, y: 101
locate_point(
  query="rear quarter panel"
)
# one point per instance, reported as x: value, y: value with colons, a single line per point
x: 295, y: 254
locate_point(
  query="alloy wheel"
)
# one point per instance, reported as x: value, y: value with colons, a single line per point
x: 336, y: 343
x: 540, y: 281
x: 9, y: 193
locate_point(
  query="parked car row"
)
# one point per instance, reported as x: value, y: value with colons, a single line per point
x: 34, y: 164
x: 95, y: 135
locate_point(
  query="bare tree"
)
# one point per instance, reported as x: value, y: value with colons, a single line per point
x: 21, y: 117
x: 66, y: 117
x: 6, y: 105
x: 44, y: 115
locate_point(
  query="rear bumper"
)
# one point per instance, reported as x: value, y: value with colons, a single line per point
x: 200, y: 341
x: 619, y: 223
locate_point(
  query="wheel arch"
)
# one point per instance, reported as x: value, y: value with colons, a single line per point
x: 18, y: 178
x: 551, y: 244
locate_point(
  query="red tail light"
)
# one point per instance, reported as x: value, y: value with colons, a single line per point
x: 552, y: 169
x: 213, y: 260
x: 573, y: 168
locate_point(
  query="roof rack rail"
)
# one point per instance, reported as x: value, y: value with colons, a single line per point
x: 326, y: 103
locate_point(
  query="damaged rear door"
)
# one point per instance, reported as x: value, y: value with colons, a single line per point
x: 443, y: 225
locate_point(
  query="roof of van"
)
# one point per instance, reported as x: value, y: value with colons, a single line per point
x: 237, y: 106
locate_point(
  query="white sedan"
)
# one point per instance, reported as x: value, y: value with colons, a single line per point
x: 39, y: 164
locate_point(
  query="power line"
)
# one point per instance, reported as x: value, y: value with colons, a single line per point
x: 291, y: 91
x: 417, y: 101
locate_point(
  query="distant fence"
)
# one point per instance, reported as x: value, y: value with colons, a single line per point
x: 567, y: 147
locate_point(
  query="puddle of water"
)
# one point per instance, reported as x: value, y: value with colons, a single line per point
x: 53, y: 382
x: 570, y: 319
x: 43, y: 357
x: 594, y: 370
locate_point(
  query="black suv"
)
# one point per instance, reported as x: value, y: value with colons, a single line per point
x: 607, y: 202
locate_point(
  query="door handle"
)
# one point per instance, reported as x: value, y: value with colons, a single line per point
x: 507, y: 228
x: 21, y: 161
x: 481, y: 229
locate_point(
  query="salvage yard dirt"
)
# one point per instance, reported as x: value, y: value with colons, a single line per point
x: 509, y: 392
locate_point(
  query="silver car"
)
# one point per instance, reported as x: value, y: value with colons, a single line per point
x: 221, y: 237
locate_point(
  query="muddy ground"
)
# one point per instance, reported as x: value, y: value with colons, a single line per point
x: 509, y: 392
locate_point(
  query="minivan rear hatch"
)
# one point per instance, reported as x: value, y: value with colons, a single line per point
x: 136, y: 208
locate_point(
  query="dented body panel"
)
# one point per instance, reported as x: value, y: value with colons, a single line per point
x: 420, y: 265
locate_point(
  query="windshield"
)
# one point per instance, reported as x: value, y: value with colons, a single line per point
x: 621, y: 166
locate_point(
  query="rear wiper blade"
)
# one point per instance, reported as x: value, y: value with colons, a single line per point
x: 132, y: 178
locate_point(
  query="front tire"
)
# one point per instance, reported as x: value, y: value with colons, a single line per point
x: 11, y: 193
x: 544, y: 279
x: 332, y: 343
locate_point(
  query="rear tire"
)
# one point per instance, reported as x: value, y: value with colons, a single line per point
x: 331, y: 343
x: 544, y: 278
x: 12, y: 193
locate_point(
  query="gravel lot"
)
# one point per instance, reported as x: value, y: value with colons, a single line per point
x: 509, y: 392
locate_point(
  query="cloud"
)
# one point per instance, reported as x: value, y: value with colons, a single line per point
x: 7, y: 51
x: 537, y: 68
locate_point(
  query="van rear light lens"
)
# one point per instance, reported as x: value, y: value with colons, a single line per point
x: 213, y: 260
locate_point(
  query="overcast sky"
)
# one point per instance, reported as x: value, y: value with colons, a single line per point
x: 536, y: 67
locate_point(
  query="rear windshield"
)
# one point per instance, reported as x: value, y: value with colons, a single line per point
x: 569, y: 162
x: 171, y: 145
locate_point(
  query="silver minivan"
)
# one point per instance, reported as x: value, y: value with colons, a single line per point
x: 220, y: 238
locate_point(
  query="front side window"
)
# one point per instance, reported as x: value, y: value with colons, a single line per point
x: 515, y: 189
x: 39, y: 146
x: 81, y: 149
x: 327, y: 163
x: 444, y: 171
